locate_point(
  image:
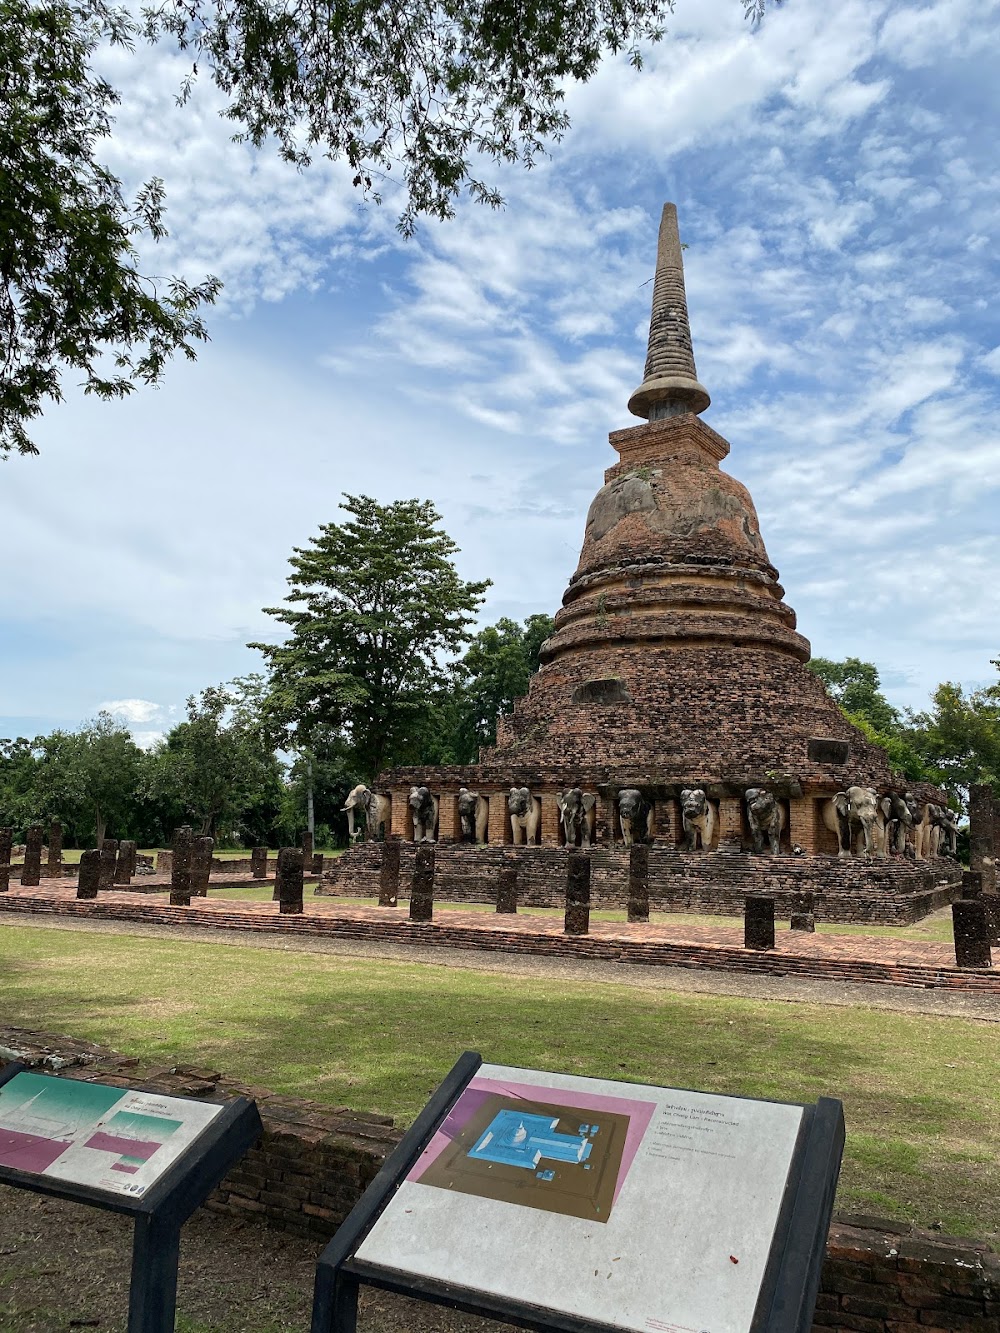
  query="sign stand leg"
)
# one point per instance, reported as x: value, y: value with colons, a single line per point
x: 335, y: 1302
x: 153, y: 1297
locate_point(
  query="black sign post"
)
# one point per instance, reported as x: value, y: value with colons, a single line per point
x: 160, y: 1208
x: 802, y: 1197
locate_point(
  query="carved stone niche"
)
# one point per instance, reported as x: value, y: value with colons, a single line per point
x: 827, y: 750
x: 608, y: 691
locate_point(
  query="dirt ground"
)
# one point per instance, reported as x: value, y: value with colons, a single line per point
x: 66, y: 1266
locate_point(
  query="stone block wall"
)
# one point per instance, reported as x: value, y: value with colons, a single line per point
x: 893, y: 892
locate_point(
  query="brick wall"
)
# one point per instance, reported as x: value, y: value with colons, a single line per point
x: 893, y: 892
x: 313, y: 1163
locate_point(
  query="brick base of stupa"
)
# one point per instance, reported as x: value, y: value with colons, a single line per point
x: 891, y: 892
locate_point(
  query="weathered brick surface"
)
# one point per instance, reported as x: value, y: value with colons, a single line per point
x: 893, y: 892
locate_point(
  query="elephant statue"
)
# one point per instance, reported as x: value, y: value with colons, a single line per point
x: 424, y: 812
x: 473, y: 815
x: 766, y: 816
x: 697, y: 819
x: 898, y: 820
x: 525, y: 814
x: 854, y: 814
x: 576, y: 810
x: 922, y: 828
x: 633, y: 815
x: 945, y: 831
x: 375, y: 809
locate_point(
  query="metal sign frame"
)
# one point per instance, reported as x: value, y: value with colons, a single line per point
x: 787, y: 1298
x: 161, y: 1212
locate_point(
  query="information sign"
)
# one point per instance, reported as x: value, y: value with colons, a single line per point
x: 154, y: 1157
x: 571, y: 1203
x: 108, y: 1138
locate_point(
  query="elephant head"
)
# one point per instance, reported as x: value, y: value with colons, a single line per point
x: 633, y: 815
x: 525, y: 811
x: 946, y: 829
x: 357, y: 799
x: 764, y: 815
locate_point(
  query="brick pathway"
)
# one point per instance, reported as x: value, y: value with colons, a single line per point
x: 830, y: 957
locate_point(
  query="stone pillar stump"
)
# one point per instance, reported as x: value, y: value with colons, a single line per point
x: 758, y: 922
x: 577, y: 919
x: 972, y: 884
x: 802, y: 915
x: 638, y: 884
x: 123, y: 866
x: 258, y: 863
x: 90, y: 874
x: 288, y: 880
x: 307, y: 848
x: 53, y: 869
x: 507, y: 887
x: 972, y: 936
x: 31, y: 873
x: 422, y: 888
x: 388, y: 875
x: 180, y: 867
x: 109, y: 859
x: 6, y: 843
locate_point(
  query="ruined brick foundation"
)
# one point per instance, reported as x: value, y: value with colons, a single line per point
x: 886, y: 893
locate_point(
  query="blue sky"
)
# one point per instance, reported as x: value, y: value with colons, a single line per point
x: 838, y: 190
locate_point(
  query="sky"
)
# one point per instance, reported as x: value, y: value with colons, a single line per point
x: 838, y: 191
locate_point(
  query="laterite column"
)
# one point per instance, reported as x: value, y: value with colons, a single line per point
x: 972, y: 934
x: 31, y: 873
x: 258, y: 863
x: 109, y: 859
x: 54, y: 868
x: 638, y: 883
x: 6, y: 843
x: 507, y: 886
x: 422, y: 889
x: 90, y: 874
x: 802, y: 916
x: 577, y: 920
x: 758, y: 923
x: 289, y: 880
x: 201, y: 866
x: 388, y: 875
x: 180, y: 869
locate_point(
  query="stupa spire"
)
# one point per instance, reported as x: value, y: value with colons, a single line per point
x: 670, y: 384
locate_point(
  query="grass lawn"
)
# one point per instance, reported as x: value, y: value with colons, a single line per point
x: 922, y: 1094
x: 935, y: 928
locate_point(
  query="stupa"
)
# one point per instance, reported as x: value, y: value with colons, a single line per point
x: 674, y: 665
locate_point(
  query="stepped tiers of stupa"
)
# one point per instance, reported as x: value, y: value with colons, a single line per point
x: 675, y: 675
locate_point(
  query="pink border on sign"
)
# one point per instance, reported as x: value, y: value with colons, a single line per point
x: 639, y: 1113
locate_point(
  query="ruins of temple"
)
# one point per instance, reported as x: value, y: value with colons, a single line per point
x: 675, y: 667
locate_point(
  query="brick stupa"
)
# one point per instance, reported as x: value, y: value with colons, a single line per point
x: 674, y: 663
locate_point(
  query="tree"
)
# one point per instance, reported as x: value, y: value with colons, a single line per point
x: 72, y: 300
x: 429, y: 90
x: 960, y: 735
x: 375, y: 607
x: 90, y: 777
x: 495, y: 671
x: 218, y: 766
x: 855, y: 686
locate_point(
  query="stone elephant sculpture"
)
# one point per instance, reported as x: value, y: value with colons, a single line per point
x: 424, y: 813
x: 473, y: 815
x: 898, y: 822
x: 372, y: 807
x: 633, y: 815
x: 855, y: 814
x: 944, y: 836
x: 766, y: 816
x: 697, y: 819
x: 525, y: 813
x: 576, y: 810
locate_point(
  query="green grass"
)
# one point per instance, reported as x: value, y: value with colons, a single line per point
x: 934, y: 929
x: 922, y: 1094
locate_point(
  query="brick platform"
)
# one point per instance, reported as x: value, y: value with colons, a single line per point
x: 720, y: 948
x: 896, y: 892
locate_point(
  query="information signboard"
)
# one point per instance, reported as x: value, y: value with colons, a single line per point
x: 108, y: 1138
x: 154, y: 1157
x: 562, y: 1202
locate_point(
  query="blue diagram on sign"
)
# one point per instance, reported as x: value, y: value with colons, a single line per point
x: 514, y: 1139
